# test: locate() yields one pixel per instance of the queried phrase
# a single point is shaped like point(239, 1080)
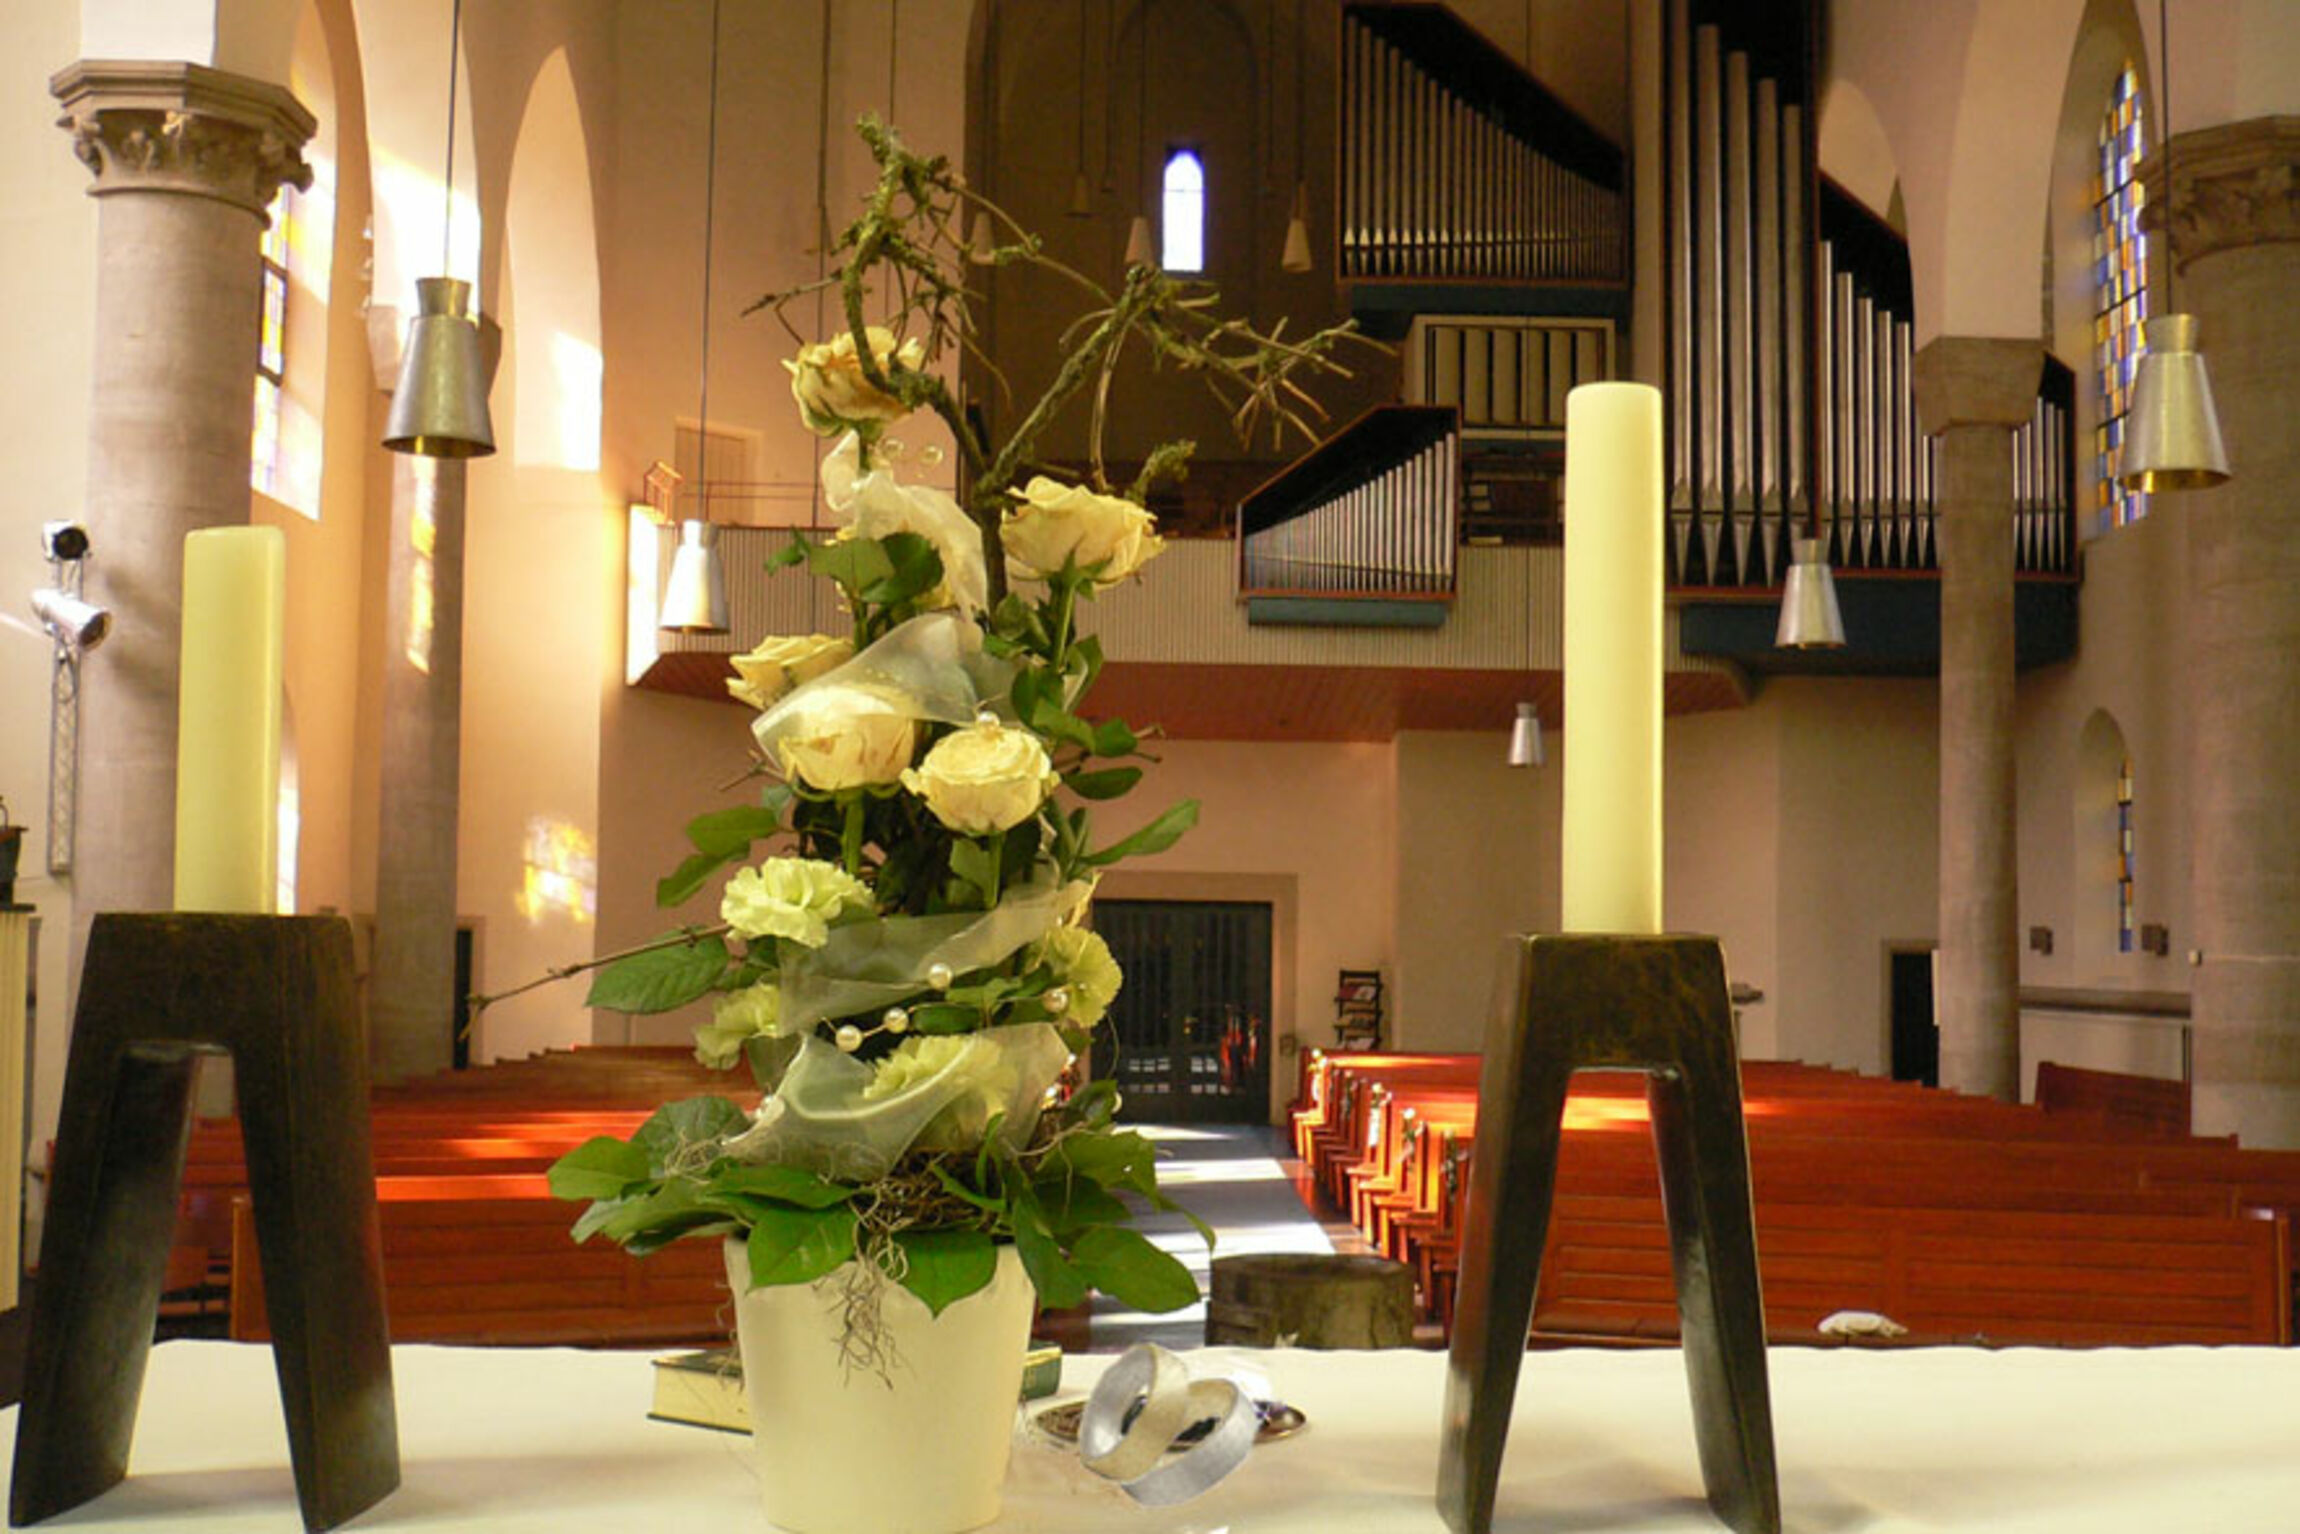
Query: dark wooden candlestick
point(274, 992)
point(1658, 1005)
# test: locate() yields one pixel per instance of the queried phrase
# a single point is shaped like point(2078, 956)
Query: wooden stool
point(1310, 1300)
point(275, 992)
point(1655, 1004)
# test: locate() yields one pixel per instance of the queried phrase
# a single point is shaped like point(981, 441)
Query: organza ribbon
point(820, 1119)
point(868, 966)
point(1130, 1443)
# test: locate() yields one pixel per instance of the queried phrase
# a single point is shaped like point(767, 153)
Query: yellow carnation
point(797, 898)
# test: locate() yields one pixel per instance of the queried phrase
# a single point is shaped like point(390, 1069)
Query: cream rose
point(827, 381)
point(1083, 966)
point(782, 662)
point(983, 779)
point(755, 1012)
point(797, 898)
point(1058, 524)
point(831, 747)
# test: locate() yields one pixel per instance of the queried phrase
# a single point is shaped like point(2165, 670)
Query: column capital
point(1976, 381)
point(2232, 185)
point(160, 126)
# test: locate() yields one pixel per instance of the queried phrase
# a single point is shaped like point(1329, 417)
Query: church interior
point(1888, 265)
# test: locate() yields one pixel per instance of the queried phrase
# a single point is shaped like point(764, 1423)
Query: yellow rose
point(1083, 966)
point(784, 661)
point(984, 778)
point(827, 381)
point(797, 898)
point(1058, 524)
point(834, 745)
point(755, 1012)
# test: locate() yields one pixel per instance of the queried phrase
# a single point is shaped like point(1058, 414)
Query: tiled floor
point(1242, 1180)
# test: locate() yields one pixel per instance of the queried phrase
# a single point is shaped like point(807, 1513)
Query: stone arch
point(551, 255)
point(1855, 150)
point(1970, 233)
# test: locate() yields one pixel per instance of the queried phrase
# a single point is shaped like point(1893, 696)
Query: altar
point(2020, 1441)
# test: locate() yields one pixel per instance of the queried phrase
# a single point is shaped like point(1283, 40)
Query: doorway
point(1188, 1038)
point(1916, 1041)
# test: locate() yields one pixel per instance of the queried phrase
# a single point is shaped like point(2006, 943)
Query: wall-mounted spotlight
point(71, 621)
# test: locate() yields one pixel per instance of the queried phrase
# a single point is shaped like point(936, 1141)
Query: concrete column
point(186, 159)
point(2234, 208)
point(1971, 393)
point(411, 986)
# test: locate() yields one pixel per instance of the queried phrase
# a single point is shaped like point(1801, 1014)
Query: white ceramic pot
point(843, 1452)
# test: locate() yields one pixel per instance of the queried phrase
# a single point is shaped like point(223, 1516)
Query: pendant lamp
point(1295, 256)
point(695, 600)
point(1810, 618)
point(2171, 430)
point(439, 409)
point(1525, 744)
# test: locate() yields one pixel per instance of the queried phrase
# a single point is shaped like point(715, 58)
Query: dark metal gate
point(1189, 1035)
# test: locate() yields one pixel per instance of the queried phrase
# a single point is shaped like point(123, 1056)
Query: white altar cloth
point(2024, 1441)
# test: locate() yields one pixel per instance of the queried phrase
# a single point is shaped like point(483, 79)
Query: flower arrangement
point(907, 970)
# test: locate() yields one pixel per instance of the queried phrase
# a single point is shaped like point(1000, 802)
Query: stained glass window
point(1182, 220)
point(2124, 922)
point(2120, 279)
point(264, 450)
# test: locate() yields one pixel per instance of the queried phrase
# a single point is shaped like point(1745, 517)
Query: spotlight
point(64, 541)
point(82, 625)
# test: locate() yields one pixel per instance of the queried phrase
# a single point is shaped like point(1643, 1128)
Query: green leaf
point(959, 1190)
point(694, 871)
point(784, 1184)
point(792, 553)
point(1073, 1206)
point(797, 1246)
point(1086, 661)
point(944, 1017)
point(675, 1128)
point(733, 830)
point(601, 1167)
point(1124, 1265)
point(1113, 737)
point(1059, 724)
point(946, 1265)
point(1106, 784)
point(1157, 836)
point(674, 1203)
point(977, 865)
point(914, 568)
point(701, 1222)
point(660, 979)
point(1058, 1282)
point(855, 563)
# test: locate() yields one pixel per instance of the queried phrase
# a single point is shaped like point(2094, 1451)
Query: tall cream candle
point(228, 719)
point(1613, 527)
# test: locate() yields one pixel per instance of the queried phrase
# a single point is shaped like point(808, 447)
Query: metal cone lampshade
point(1138, 251)
point(1810, 618)
point(2172, 433)
point(1296, 256)
point(695, 598)
point(440, 407)
point(1525, 746)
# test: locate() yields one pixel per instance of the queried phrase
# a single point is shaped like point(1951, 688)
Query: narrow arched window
point(2120, 285)
point(266, 448)
point(2124, 922)
point(1182, 213)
